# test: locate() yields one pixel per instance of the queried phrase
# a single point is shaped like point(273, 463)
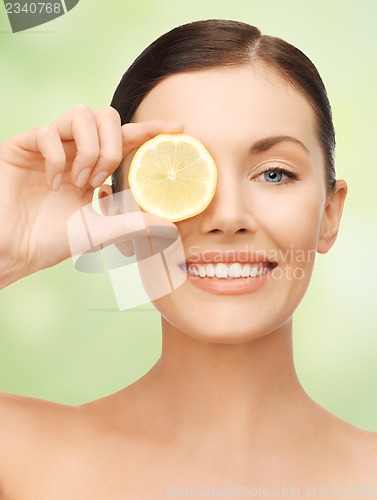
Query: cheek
point(291, 220)
point(294, 228)
point(290, 223)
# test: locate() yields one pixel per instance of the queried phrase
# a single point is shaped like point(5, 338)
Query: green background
point(61, 335)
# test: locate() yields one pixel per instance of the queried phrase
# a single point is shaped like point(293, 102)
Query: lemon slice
point(173, 176)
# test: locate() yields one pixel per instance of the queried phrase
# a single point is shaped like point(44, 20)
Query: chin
point(225, 326)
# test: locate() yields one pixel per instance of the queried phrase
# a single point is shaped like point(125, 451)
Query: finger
point(89, 231)
point(50, 146)
point(26, 149)
point(135, 134)
point(110, 145)
point(79, 124)
point(104, 230)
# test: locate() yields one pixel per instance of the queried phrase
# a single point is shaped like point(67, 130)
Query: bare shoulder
point(30, 429)
point(26, 420)
point(49, 450)
point(360, 449)
point(21, 414)
point(365, 443)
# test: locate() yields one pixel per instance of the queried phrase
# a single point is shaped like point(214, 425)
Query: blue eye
point(277, 176)
point(273, 176)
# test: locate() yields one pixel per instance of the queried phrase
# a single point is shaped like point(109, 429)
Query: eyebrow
point(267, 143)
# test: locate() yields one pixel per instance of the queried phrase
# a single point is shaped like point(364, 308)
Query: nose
point(229, 212)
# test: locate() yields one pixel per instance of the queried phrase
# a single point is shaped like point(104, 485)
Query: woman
point(222, 407)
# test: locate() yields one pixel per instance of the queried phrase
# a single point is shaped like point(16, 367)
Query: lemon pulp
point(173, 176)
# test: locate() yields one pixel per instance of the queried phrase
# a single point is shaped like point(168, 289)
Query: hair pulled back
point(222, 43)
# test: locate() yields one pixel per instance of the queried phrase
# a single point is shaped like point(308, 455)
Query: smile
point(228, 271)
point(235, 274)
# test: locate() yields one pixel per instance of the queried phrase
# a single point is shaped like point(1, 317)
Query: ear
point(109, 206)
point(331, 217)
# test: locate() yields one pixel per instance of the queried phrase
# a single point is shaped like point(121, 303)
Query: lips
point(228, 273)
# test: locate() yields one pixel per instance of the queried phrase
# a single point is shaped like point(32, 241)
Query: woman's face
point(269, 205)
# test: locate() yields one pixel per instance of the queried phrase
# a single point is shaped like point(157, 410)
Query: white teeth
point(246, 270)
point(235, 270)
point(264, 270)
point(210, 270)
point(254, 272)
point(222, 270)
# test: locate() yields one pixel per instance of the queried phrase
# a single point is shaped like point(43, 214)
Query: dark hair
point(222, 43)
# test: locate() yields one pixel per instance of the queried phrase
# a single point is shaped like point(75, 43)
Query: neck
point(202, 390)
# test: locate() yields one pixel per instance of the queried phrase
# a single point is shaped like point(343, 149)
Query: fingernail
point(83, 177)
point(56, 182)
point(99, 179)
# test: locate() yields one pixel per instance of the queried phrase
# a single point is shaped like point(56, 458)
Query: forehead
point(230, 105)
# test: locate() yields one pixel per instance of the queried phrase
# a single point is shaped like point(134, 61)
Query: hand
point(48, 173)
